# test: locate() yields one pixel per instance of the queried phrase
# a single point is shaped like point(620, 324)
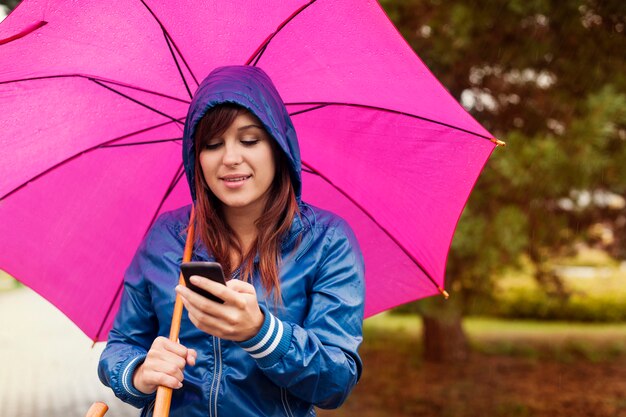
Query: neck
point(242, 220)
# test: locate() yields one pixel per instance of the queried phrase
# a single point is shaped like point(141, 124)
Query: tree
point(549, 78)
point(10, 4)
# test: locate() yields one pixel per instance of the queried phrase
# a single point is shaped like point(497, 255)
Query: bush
point(532, 304)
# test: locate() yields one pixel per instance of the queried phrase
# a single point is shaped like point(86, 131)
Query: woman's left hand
point(238, 319)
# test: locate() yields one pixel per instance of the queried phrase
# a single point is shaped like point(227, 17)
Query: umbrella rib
point(26, 31)
point(260, 53)
point(179, 174)
point(307, 110)
point(175, 46)
point(365, 106)
point(135, 100)
point(313, 171)
point(91, 78)
point(106, 316)
point(170, 188)
point(147, 142)
point(143, 90)
point(261, 49)
point(180, 71)
point(63, 162)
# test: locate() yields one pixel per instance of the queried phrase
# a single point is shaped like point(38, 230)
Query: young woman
point(287, 335)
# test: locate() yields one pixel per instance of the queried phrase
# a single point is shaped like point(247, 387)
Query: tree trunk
point(444, 339)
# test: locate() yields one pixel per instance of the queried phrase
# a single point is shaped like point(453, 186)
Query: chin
point(236, 203)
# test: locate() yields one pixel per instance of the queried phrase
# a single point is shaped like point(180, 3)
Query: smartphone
point(210, 270)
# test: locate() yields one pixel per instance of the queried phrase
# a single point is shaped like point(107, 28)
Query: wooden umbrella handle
point(164, 394)
point(97, 410)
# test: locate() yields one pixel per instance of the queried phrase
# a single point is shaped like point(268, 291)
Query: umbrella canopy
point(94, 95)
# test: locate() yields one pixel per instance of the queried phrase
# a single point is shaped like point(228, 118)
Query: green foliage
point(554, 74)
point(533, 304)
point(596, 288)
point(11, 4)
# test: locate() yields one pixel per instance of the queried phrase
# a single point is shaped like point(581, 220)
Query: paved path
point(47, 365)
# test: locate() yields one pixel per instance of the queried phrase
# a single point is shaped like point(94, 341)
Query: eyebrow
point(248, 127)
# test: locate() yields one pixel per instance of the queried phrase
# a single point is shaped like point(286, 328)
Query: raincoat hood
point(249, 87)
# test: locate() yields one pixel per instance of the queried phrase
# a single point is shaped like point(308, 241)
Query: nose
point(232, 155)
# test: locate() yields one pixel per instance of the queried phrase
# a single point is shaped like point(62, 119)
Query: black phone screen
point(210, 270)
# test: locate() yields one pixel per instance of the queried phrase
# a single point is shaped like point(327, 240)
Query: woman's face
point(238, 166)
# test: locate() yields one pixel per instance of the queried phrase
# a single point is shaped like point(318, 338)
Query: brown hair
point(273, 225)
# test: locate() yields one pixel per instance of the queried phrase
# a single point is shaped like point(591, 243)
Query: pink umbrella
point(93, 98)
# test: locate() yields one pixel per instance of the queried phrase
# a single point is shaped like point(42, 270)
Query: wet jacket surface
point(306, 353)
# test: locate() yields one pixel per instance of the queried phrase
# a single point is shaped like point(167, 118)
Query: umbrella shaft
point(164, 394)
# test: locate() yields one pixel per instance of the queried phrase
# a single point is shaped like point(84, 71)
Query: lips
point(235, 178)
point(235, 181)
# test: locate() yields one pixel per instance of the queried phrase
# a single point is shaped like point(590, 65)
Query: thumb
point(241, 286)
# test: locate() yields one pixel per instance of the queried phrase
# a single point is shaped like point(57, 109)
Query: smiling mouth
point(237, 179)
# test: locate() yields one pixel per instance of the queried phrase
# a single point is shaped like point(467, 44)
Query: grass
point(562, 341)
point(485, 326)
point(517, 368)
point(489, 326)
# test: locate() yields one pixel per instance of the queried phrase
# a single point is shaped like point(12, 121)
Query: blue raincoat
point(306, 352)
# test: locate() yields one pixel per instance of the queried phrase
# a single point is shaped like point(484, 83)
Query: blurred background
point(536, 321)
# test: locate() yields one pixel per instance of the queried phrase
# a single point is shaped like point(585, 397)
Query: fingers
point(163, 366)
point(155, 378)
point(167, 357)
point(171, 346)
point(202, 305)
point(210, 324)
point(204, 312)
point(224, 292)
point(192, 356)
point(241, 286)
point(239, 318)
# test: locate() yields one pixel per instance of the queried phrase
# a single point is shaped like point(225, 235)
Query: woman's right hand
point(163, 366)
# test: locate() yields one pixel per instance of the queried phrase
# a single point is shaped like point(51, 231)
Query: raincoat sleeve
point(318, 361)
point(134, 329)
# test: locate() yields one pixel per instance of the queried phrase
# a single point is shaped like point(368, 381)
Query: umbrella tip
point(498, 142)
point(443, 292)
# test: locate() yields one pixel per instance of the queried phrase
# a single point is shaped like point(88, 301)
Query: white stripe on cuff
point(274, 344)
point(267, 336)
point(125, 377)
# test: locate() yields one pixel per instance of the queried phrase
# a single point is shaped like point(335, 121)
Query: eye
point(249, 142)
point(212, 145)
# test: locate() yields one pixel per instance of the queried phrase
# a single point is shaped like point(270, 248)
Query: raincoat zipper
point(147, 411)
point(217, 375)
point(285, 400)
